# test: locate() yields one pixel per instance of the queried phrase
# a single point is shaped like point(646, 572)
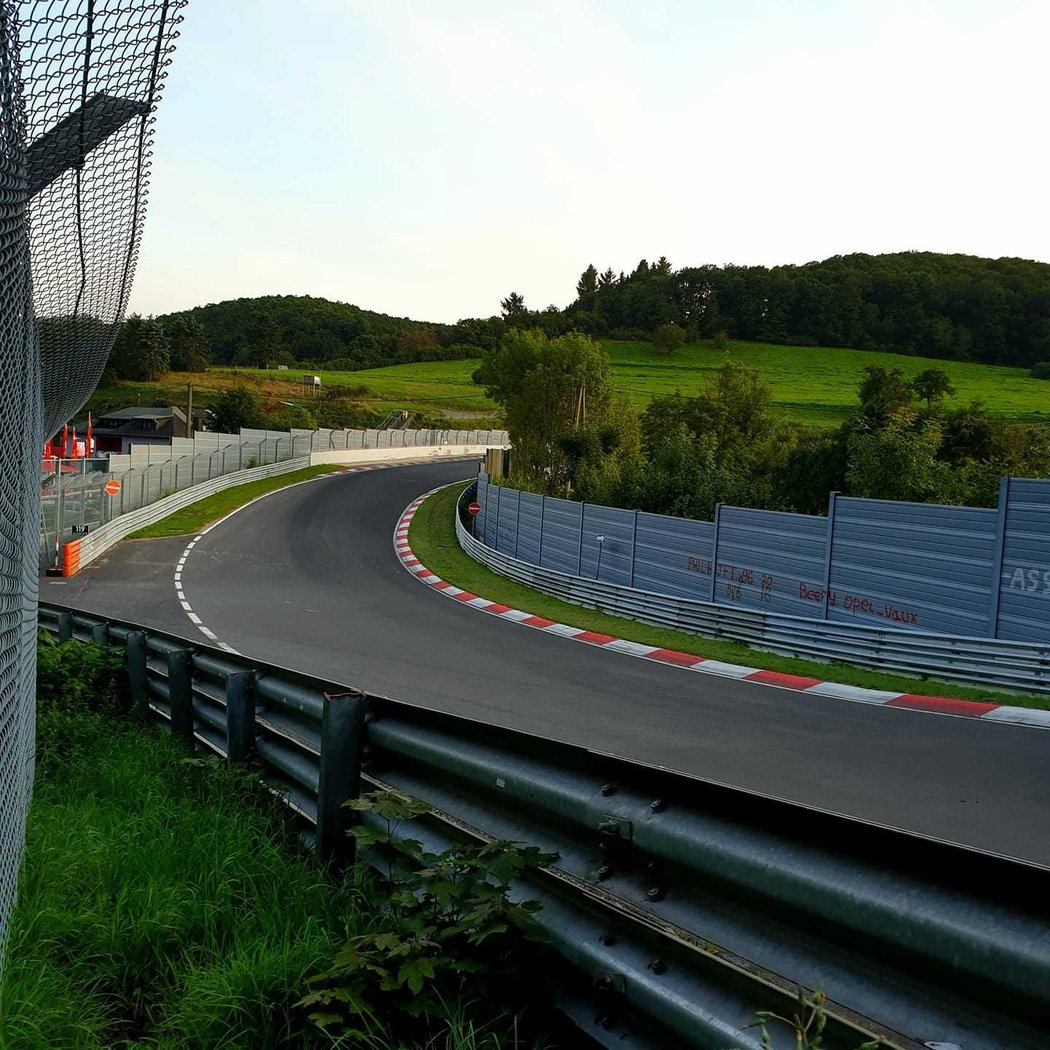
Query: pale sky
point(426, 158)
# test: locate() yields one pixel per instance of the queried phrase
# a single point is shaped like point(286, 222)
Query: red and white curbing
point(941, 705)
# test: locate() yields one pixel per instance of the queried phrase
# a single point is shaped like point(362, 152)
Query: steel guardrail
point(679, 907)
point(985, 661)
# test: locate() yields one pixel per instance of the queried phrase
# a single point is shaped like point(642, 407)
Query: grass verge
point(197, 515)
point(433, 538)
point(161, 902)
point(164, 899)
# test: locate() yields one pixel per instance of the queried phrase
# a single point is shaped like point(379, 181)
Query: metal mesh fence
point(19, 429)
point(93, 71)
point(78, 83)
point(74, 499)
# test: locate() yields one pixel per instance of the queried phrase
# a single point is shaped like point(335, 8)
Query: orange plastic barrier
point(71, 558)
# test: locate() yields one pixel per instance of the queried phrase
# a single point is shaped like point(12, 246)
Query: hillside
point(284, 329)
point(996, 311)
point(816, 386)
point(923, 304)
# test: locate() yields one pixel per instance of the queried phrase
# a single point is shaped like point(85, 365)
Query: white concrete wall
point(358, 456)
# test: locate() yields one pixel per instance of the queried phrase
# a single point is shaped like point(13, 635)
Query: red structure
point(66, 445)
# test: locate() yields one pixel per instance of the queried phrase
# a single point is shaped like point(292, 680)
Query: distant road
point(307, 578)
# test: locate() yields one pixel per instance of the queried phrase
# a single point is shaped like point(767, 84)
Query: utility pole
point(189, 410)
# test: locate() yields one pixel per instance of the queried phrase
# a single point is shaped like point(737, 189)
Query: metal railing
point(1020, 666)
point(81, 552)
point(677, 907)
point(74, 500)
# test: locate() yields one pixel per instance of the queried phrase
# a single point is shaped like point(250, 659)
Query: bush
point(668, 338)
point(450, 934)
point(235, 409)
point(1040, 370)
point(76, 683)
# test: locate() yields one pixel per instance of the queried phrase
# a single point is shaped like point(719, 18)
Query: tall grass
point(160, 900)
point(164, 900)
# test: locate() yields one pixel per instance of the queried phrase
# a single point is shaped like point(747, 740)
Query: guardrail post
point(180, 694)
point(240, 715)
point(138, 688)
point(342, 740)
point(100, 633)
point(64, 625)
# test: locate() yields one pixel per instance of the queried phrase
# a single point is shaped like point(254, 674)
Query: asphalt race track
point(307, 578)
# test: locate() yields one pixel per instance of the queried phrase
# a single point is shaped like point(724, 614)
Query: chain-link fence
point(79, 81)
point(75, 500)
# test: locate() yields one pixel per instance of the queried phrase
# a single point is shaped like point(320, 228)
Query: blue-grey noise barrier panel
point(771, 560)
point(913, 565)
point(673, 555)
point(969, 571)
point(1024, 601)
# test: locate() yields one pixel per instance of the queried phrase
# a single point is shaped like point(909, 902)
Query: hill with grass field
point(286, 329)
point(815, 386)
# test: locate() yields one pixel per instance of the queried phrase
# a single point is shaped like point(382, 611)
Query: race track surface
point(307, 578)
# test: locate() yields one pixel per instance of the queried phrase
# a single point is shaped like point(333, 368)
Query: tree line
point(572, 437)
point(307, 331)
point(995, 311)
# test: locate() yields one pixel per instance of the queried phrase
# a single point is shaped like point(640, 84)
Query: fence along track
point(1016, 665)
point(74, 496)
point(678, 907)
point(964, 572)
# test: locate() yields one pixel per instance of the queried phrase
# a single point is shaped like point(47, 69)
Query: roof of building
point(148, 412)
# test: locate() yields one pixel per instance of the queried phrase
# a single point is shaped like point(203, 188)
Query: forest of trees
point(996, 311)
point(683, 455)
point(291, 329)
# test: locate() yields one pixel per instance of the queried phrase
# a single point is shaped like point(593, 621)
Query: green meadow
point(815, 385)
point(818, 385)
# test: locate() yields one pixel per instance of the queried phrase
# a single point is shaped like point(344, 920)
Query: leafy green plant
point(450, 933)
point(808, 1024)
point(77, 683)
point(73, 676)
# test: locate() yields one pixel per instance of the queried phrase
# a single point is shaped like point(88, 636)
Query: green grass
point(433, 538)
point(165, 900)
point(162, 903)
point(428, 387)
point(197, 515)
point(816, 386)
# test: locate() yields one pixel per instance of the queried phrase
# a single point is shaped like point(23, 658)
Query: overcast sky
point(427, 158)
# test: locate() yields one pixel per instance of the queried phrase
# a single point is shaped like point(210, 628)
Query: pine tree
point(140, 351)
point(587, 285)
point(513, 306)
